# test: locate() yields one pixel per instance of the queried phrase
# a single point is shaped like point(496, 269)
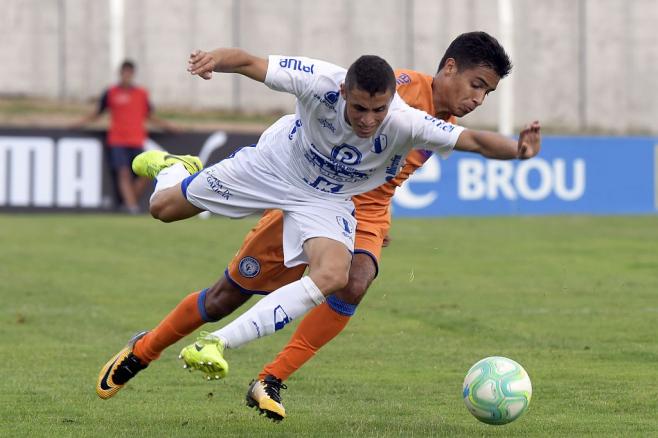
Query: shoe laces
point(127, 369)
point(272, 386)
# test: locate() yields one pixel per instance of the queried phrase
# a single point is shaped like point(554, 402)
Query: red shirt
point(129, 108)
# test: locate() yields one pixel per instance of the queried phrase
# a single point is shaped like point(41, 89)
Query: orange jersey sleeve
point(416, 90)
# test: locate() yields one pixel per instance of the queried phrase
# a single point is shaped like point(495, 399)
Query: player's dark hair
point(372, 74)
point(128, 64)
point(478, 49)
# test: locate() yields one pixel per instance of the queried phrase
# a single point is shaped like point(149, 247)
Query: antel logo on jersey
point(448, 127)
point(249, 267)
point(296, 64)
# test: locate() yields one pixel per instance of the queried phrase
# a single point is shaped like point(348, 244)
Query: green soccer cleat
point(206, 355)
point(264, 396)
point(119, 369)
point(150, 163)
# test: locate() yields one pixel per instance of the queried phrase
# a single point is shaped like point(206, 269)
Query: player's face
point(364, 112)
point(126, 76)
point(466, 89)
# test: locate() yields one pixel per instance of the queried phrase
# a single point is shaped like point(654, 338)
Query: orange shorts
point(258, 266)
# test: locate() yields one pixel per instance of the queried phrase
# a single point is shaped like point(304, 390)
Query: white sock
point(169, 177)
point(272, 313)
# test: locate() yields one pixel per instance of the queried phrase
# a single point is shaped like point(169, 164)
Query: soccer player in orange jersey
point(470, 69)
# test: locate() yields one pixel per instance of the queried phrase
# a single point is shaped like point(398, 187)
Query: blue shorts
point(123, 156)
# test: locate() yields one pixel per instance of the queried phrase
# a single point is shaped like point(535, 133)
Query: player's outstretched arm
point(494, 145)
point(225, 60)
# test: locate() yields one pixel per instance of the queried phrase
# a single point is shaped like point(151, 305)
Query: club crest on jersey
point(380, 144)
point(249, 267)
point(403, 79)
point(345, 225)
point(281, 318)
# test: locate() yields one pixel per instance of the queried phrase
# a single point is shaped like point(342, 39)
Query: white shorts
point(239, 186)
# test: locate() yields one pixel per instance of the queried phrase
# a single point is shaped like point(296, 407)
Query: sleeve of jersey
point(292, 74)
point(434, 134)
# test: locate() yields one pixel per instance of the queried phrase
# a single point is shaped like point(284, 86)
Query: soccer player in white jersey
point(349, 134)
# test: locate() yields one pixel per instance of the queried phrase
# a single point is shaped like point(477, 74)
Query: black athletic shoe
point(264, 395)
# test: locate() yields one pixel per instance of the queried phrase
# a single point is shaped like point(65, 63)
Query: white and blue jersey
point(317, 149)
point(309, 164)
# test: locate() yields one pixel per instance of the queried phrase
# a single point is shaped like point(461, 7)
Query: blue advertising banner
point(571, 175)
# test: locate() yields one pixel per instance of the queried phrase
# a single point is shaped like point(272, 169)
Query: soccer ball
point(497, 390)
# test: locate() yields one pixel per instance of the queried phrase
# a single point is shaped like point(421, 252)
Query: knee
point(158, 209)
point(222, 299)
point(354, 291)
point(330, 280)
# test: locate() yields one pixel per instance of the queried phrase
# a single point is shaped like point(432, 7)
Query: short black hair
point(372, 74)
point(478, 49)
point(127, 64)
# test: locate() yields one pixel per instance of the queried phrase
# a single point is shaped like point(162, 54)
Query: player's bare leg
point(169, 205)
point(328, 263)
point(319, 327)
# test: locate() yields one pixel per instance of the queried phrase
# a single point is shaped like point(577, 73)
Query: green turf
point(573, 299)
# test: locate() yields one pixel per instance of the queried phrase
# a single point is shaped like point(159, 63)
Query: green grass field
point(573, 299)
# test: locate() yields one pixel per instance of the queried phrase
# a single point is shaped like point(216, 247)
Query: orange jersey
point(258, 267)
point(416, 90)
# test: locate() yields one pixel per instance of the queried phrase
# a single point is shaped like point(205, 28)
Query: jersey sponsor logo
point(329, 100)
point(333, 170)
point(380, 144)
point(331, 96)
point(281, 318)
point(249, 267)
point(324, 185)
point(403, 79)
point(327, 124)
point(296, 64)
point(217, 185)
point(392, 169)
point(346, 154)
point(448, 127)
point(298, 124)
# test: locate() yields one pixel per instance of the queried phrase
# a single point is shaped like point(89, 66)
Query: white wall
point(571, 70)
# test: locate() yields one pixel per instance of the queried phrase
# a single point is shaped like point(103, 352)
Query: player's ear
point(450, 66)
point(342, 89)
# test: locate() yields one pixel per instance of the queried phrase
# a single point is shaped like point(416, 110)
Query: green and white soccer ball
point(497, 390)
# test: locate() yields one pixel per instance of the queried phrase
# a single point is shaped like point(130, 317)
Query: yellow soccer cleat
point(206, 355)
point(118, 370)
point(264, 396)
point(150, 163)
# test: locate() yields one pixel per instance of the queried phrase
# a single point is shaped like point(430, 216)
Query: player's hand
point(529, 141)
point(201, 64)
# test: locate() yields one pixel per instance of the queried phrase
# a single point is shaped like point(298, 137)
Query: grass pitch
point(573, 299)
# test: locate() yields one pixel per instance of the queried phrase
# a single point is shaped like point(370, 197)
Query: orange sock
point(320, 326)
point(183, 320)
